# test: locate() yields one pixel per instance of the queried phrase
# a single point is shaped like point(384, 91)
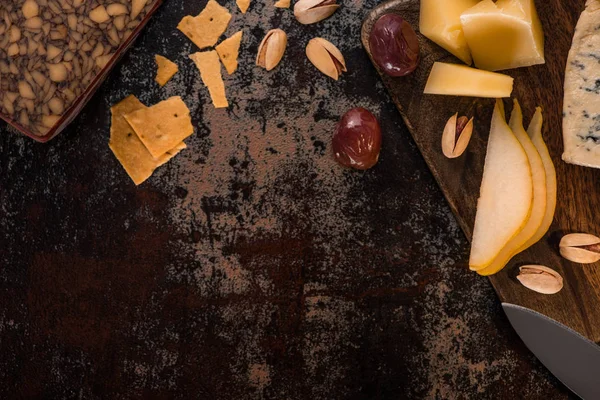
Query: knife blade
point(571, 357)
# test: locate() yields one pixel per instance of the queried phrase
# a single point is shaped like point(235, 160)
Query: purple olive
point(394, 45)
point(357, 139)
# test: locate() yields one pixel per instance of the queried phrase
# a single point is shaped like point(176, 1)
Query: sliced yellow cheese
point(460, 80)
point(439, 21)
point(504, 35)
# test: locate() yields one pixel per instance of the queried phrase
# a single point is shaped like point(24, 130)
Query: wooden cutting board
point(578, 208)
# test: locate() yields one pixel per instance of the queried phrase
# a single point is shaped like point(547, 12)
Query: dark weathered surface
point(251, 266)
point(578, 304)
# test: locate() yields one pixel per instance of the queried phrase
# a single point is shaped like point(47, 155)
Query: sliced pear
point(538, 210)
point(535, 133)
point(506, 194)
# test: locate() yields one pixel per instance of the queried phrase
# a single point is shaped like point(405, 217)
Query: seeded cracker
point(166, 69)
point(228, 51)
point(162, 126)
point(243, 5)
point(206, 28)
point(210, 70)
point(127, 147)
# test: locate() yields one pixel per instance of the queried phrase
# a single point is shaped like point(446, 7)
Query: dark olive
point(394, 45)
point(357, 139)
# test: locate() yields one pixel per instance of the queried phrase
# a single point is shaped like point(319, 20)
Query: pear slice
point(538, 210)
point(506, 194)
point(535, 133)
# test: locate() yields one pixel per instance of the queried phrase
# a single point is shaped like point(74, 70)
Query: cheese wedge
point(506, 194)
point(538, 210)
point(503, 35)
point(460, 80)
point(581, 106)
point(439, 21)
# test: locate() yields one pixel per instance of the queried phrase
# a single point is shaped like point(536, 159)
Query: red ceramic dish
point(87, 94)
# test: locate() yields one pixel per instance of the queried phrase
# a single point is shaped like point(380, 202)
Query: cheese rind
point(439, 21)
point(504, 35)
point(581, 106)
point(460, 80)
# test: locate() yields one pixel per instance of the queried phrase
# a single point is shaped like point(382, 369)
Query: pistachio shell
point(581, 248)
point(312, 11)
point(579, 239)
point(540, 279)
point(451, 147)
point(271, 49)
point(579, 255)
point(326, 57)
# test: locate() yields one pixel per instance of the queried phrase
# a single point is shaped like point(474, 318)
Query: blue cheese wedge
point(581, 112)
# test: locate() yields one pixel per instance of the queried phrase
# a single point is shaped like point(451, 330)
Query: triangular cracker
point(228, 51)
point(165, 69)
point(210, 70)
point(162, 126)
point(243, 5)
point(206, 28)
point(283, 4)
point(128, 148)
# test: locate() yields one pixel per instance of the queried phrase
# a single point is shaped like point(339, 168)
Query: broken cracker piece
point(206, 28)
point(243, 5)
point(129, 149)
point(166, 69)
point(210, 70)
point(283, 4)
point(228, 51)
point(162, 126)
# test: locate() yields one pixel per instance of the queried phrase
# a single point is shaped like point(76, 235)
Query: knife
point(572, 358)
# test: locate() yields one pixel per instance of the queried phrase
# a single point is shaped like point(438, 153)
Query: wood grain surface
point(578, 304)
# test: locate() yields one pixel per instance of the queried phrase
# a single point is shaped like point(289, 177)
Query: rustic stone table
point(251, 266)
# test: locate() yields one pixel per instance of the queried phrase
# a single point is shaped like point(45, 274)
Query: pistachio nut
point(311, 11)
point(581, 248)
point(540, 279)
point(456, 136)
point(326, 57)
point(271, 49)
